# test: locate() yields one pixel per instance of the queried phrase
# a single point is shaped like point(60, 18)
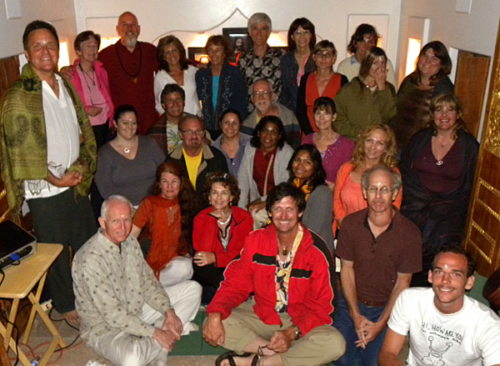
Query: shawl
point(440, 217)
point(24, 141)
point(163, 218)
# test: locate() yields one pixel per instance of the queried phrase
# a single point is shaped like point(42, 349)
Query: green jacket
point(23, 139)
point(357, 108)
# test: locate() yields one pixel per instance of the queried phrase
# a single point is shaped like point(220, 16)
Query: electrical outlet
point(47, 305)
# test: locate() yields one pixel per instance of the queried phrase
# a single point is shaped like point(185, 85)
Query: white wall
point(159, 17)
point(61, 13)
point(475, 32)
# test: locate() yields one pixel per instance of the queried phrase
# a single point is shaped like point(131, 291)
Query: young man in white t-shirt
point(445, 326)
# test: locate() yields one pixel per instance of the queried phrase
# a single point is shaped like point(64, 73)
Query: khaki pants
point(320, 346)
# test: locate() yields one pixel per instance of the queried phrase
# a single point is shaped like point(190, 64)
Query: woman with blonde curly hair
point(376, 145)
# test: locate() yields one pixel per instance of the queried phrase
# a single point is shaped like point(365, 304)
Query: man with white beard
point(131, 66)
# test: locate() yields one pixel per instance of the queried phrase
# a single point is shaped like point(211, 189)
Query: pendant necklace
point(86, 75)
point(126, 150)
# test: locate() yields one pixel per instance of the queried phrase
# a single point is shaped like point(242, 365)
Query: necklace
point(126, 150)
point(224, 222)
point(135, 76)
point(86, 75)
point(284, 251)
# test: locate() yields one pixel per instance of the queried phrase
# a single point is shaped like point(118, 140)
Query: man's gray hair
point(115, 197)
point(257, 18)
point(396, 178)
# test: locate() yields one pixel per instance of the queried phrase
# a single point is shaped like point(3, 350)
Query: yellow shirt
point(192, 165)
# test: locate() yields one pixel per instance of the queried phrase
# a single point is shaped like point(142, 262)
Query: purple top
point(440, 176)
point(334, 156)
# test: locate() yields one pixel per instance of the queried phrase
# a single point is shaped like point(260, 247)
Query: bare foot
point(72, 317)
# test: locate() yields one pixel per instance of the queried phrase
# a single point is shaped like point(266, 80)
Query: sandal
point(255, 360)
point(229, 356)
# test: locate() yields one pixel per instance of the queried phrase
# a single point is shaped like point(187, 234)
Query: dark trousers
point(65, 219)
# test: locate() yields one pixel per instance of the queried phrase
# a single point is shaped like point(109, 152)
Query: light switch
point(463, 6)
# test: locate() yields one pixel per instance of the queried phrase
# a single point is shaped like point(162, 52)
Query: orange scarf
point(165, 227)
point(304, 188)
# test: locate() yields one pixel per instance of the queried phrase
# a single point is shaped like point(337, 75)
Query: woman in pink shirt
point(90, 80)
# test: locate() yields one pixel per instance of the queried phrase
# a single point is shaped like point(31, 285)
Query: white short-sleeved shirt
point(468, 337)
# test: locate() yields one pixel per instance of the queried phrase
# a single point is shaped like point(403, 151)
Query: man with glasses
point(195, 155)
point(380, 249)
point(266, 104)
point(364, 38)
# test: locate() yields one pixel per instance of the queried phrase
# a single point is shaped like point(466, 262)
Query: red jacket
point(312, 282)
point(206, 234)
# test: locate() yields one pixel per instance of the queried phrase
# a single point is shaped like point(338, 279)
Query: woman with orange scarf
point(307, 174)
point(169, 216)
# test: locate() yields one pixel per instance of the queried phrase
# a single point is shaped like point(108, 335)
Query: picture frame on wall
point(239, 40)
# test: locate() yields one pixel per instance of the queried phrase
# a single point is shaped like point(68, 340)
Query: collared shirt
point(63, 139)
point(377, 261)
point(254, 68)
point(112, 283)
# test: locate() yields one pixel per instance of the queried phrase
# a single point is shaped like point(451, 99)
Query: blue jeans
point(343, 322)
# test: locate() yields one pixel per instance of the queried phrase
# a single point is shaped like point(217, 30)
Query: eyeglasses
point(262, 93)
point(301, 33)
point(382, 190)
point(190, 133)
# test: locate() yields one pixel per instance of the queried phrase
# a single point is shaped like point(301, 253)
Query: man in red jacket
point(292, 275)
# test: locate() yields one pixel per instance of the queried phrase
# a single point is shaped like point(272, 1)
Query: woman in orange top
point(323, 82)
point(169, 217)
point(376, 145)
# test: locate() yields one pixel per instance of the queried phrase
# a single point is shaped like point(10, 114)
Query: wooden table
point(18, 283)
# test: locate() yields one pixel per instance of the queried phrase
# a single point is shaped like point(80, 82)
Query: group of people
point(236, 187)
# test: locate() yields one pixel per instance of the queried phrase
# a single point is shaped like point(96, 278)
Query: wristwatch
point(298, 333)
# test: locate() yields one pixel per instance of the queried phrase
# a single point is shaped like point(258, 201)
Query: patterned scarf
point(24, 141)
point(304, 187)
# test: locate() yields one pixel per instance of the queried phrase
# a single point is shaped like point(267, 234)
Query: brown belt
point(373, 303)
